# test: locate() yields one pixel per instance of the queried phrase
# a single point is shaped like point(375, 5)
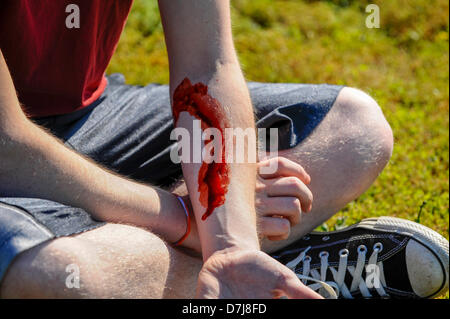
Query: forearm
point(232, 224)
point(35, 164)
point(200, 47)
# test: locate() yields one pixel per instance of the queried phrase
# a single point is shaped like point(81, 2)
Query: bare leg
point(343, 156)
point(115, 261)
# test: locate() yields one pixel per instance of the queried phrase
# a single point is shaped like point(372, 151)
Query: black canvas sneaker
point(382, 257)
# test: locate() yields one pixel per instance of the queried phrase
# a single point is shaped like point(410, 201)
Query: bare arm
point(201, 53)
point(31, 158)
point(200, 48)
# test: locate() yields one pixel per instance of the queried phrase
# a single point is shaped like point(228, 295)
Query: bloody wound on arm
point(213, 177)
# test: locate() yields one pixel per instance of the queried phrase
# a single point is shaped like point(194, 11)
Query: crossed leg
point(343, 156)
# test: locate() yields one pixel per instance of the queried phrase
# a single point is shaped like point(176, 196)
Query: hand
point(281, 197)
point(250, 275)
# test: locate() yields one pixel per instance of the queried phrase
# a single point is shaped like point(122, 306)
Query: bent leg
point(343, 155)
point(115, 261)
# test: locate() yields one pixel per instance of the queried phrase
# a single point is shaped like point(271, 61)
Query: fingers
point(282, 197)
point(286, 207)
point(291, 187)
point(274, 228)
point(285, 168)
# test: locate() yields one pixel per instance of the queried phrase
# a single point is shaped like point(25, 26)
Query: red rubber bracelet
point(188, 221)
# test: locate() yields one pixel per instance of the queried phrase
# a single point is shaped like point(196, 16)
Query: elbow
point(7, 142)
point(13, 127)
point(12, 137)
point(6, 157)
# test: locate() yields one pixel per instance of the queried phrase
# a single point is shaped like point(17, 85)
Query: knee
point(114, 261)
point(45, 271)
point(367, 127)
point(106, 263)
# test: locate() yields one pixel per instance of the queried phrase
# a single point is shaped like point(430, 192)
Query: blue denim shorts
point(128, 130)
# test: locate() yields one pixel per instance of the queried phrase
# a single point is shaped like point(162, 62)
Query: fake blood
point(213, 178)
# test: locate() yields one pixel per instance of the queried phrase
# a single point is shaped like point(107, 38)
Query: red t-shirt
point(57, 69)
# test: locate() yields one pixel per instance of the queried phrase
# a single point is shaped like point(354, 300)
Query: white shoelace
point(332, 289)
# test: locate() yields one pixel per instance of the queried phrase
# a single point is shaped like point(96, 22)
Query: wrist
point(188, 214)
point(228, 229)
point(173, 223)
point(233, 249)
point(228, 243)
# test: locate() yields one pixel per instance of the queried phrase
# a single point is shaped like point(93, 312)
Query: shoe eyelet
point(362, 249)
point(343, 252)
point(307, 258)
point(325, 238)
point(378, 246)
point(323, 254)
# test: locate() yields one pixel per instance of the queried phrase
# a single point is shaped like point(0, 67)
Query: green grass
point(403, 65)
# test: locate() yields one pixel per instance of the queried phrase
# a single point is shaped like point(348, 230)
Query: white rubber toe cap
point(427, 255)
point(425, 270)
